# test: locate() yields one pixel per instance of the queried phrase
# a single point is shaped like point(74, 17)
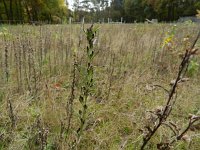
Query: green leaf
point(80, 112)
point(81, 99)
point(193, 68)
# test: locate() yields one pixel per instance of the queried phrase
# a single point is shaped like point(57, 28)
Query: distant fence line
point(70, 21)
point(40, 22)
point(101, 21)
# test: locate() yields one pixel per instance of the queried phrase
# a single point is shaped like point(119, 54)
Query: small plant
point(11, 113)
point(167, 51)
point(6, 63)
point(193, 67)
point(70, 101)
point(162, 113)
point(169, 37)
point(38, 135)
point(88, 78)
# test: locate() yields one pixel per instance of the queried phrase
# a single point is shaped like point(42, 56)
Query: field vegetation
point(69, 87)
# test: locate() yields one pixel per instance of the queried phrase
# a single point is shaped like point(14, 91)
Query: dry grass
point(130, 58)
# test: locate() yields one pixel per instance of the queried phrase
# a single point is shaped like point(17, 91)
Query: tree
point(134, 10)
point(11, 10)
point(33, 10)
point(116, 10)
point(6, 9)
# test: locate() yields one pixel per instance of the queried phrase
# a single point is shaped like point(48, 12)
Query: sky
point(70, 3)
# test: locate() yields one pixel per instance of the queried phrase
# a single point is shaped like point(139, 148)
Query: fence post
point(83, 20)
point(70, 20)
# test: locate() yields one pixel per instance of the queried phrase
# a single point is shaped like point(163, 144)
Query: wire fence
point(70, 21)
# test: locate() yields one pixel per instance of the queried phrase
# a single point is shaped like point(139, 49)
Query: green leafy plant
point(88, 77)
point(193, 67)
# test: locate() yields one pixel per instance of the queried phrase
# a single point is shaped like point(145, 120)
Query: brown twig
point(168, 107)
point(11, 113)
point(72, 96)
point(191, 122)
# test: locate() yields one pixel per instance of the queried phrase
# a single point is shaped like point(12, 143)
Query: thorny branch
point(170, 101)
point(192, 120)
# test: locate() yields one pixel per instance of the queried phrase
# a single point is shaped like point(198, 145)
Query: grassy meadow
point(131, 65)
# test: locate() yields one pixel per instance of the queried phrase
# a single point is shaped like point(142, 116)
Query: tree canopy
point(33, 10)
point(137, 10)
point(97, 10)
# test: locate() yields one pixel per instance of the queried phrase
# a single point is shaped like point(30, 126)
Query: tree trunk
point(1, 19)
point(6, 10)
point(34, 11)
point(11, 11)
point(17, 11)
point(20, 10)
point(28, 12)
